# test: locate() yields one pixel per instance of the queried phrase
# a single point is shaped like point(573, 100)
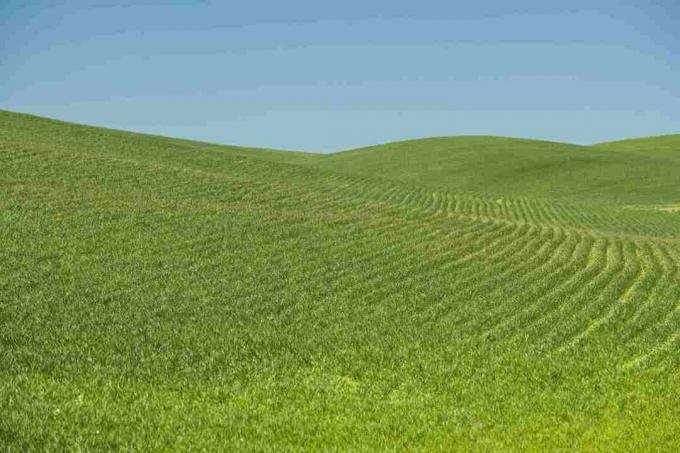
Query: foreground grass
point(162, 294)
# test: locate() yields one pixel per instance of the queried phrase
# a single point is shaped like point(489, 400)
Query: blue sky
point(324, 76)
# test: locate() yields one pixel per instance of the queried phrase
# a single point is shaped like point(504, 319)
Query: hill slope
point(165, 294)
point(628, 173)
point(667, 146)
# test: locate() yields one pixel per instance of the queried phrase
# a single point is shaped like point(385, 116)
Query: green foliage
point(455, 293)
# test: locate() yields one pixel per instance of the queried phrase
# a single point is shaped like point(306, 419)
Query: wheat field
point(462, 293)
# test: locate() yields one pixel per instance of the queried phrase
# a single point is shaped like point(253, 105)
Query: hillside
point(454, 293)
point(666, 146)
point(629, 172)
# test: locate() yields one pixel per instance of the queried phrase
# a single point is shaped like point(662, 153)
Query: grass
point(455, 293)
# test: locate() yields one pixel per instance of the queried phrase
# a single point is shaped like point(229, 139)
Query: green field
point(464, 293)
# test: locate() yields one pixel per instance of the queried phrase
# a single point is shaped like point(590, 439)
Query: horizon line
point(379, 144)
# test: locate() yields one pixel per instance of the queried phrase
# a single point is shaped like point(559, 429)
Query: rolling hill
point(469, 293)
point(637, 171)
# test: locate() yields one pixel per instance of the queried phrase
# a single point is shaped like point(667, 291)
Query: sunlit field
point(471, 293)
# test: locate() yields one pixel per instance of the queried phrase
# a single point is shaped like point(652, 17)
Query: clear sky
point(327, 75)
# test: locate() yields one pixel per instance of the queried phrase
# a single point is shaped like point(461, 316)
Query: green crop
point(468, 293)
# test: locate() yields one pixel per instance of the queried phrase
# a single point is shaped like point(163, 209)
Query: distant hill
point(663, 146)
point(631, 172)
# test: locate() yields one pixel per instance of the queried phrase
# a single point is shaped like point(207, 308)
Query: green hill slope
point(162, 294)
point(527, 168)
point(667, 146)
